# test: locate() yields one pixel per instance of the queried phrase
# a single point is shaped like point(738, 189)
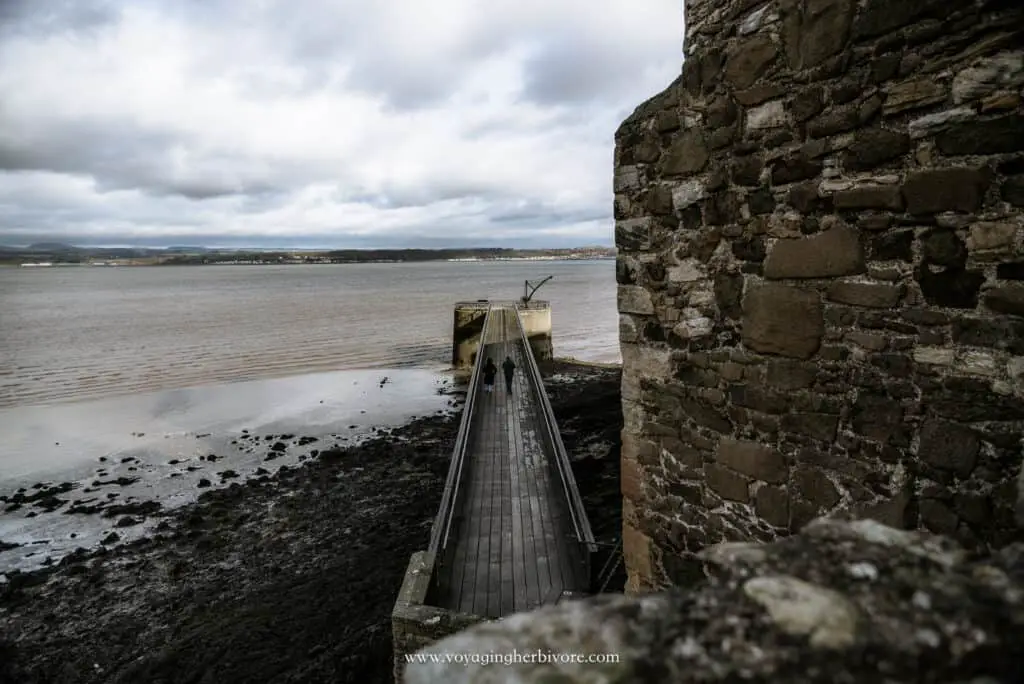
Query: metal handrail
point(580, 523)
point(441, 529)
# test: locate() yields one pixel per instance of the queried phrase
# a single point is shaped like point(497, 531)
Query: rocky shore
point(287, 577)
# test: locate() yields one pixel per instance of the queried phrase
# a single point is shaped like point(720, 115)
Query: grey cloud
point(44, 17)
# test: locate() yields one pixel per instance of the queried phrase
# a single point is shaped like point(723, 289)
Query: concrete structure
point(820, 229)
point(511, 534)
point(469, 320)
point(467, 324)
point(536, 319)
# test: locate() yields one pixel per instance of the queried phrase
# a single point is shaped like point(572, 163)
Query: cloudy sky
point(321, 123)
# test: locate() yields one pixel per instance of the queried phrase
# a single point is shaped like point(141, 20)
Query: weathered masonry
point(820, 261)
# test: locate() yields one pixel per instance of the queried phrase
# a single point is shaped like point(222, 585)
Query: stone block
point(814, 30)
point(633, 299)
point(687, 193)
point(1006, 299)
point(870, 197)
point(1001, 135)
point(748, 60)
point(873, 147)
point(782, 320)
point(950, 189)
point(873, 295)
point(929, 124)
point(772, 505)
point(752, 459)
point(820, 426)
point(768, 115)
point(914, 94)
point(633, 235)
point(687, 155)
point(1005, 69)
point(834, 252)
point(726, 483)
point(794, 168)
point(991, 236)
point(949, 446)
point(815, 487)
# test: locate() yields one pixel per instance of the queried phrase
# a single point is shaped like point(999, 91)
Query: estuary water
point(121, 384)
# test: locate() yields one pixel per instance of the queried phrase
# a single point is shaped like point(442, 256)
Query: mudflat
point(288, 577)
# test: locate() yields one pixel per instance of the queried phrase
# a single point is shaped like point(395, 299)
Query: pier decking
point(511, 534)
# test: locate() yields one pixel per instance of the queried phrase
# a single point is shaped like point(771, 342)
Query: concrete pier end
point(467, 324)
point(414, 624)
point(536, 318)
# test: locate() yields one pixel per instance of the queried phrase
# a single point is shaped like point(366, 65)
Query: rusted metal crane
point(529, 289)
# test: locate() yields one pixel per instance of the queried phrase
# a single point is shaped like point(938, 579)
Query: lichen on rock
point(840, 602)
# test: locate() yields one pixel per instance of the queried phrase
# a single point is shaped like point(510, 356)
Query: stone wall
point(839, 602)
point(820, 246)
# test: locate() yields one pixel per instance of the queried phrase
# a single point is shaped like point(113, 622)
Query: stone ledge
point(842, 601)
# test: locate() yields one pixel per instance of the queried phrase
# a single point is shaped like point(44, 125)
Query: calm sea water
point(84, 333)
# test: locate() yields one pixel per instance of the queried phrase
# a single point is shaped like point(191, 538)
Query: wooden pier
point(511, 534)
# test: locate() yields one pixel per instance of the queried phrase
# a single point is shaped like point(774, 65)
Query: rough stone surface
point(847, 234)
point(808, 608)
point(835, 252)
point(782, 320)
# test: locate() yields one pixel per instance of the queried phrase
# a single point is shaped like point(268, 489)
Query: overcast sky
point(348, 123)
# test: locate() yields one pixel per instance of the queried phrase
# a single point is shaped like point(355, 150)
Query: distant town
point(43, 255)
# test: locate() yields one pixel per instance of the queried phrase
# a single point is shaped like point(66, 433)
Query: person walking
point(509, 367)
point(490, 371)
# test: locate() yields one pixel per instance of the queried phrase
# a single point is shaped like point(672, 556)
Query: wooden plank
point(511, 537)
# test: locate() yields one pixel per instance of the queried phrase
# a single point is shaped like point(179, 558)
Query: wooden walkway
point(513, 545)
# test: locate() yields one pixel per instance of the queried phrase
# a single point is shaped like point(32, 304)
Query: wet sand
point(288, 577)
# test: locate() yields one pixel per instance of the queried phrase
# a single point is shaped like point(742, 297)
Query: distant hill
point(52, 247)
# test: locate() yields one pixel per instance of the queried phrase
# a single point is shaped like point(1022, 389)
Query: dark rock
point(111, 538)
point(870, 197)
point(814, 487)
point(753, 249)
point(203, 482)
point(794, 168)
point(726, 483)
point(772, 505)
point(748, 60)
point(834, 252)
point(949, 446)
point(729, 293)
point(820, 426)
point(952, 287)
point(782, 320)
point(761, 202)
point(687, 155)
point(814, 30)
point(1013, 191)
point(951, 189)
point(881, 16)
point(1005, 334)
point(747, 171)
point(994, 136)
point(721, 112)
point(873, 295)
point(834, 121)
point(808, 103)
point(279, 446)
point(894, 246)
point(937, 516)
point(1010, 271)
point(944, 248)
point(753, 460)
point(873, 147)
point(1007, 299)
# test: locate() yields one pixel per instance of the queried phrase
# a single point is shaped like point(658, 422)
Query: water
point(75, 333)
point(140, 373)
